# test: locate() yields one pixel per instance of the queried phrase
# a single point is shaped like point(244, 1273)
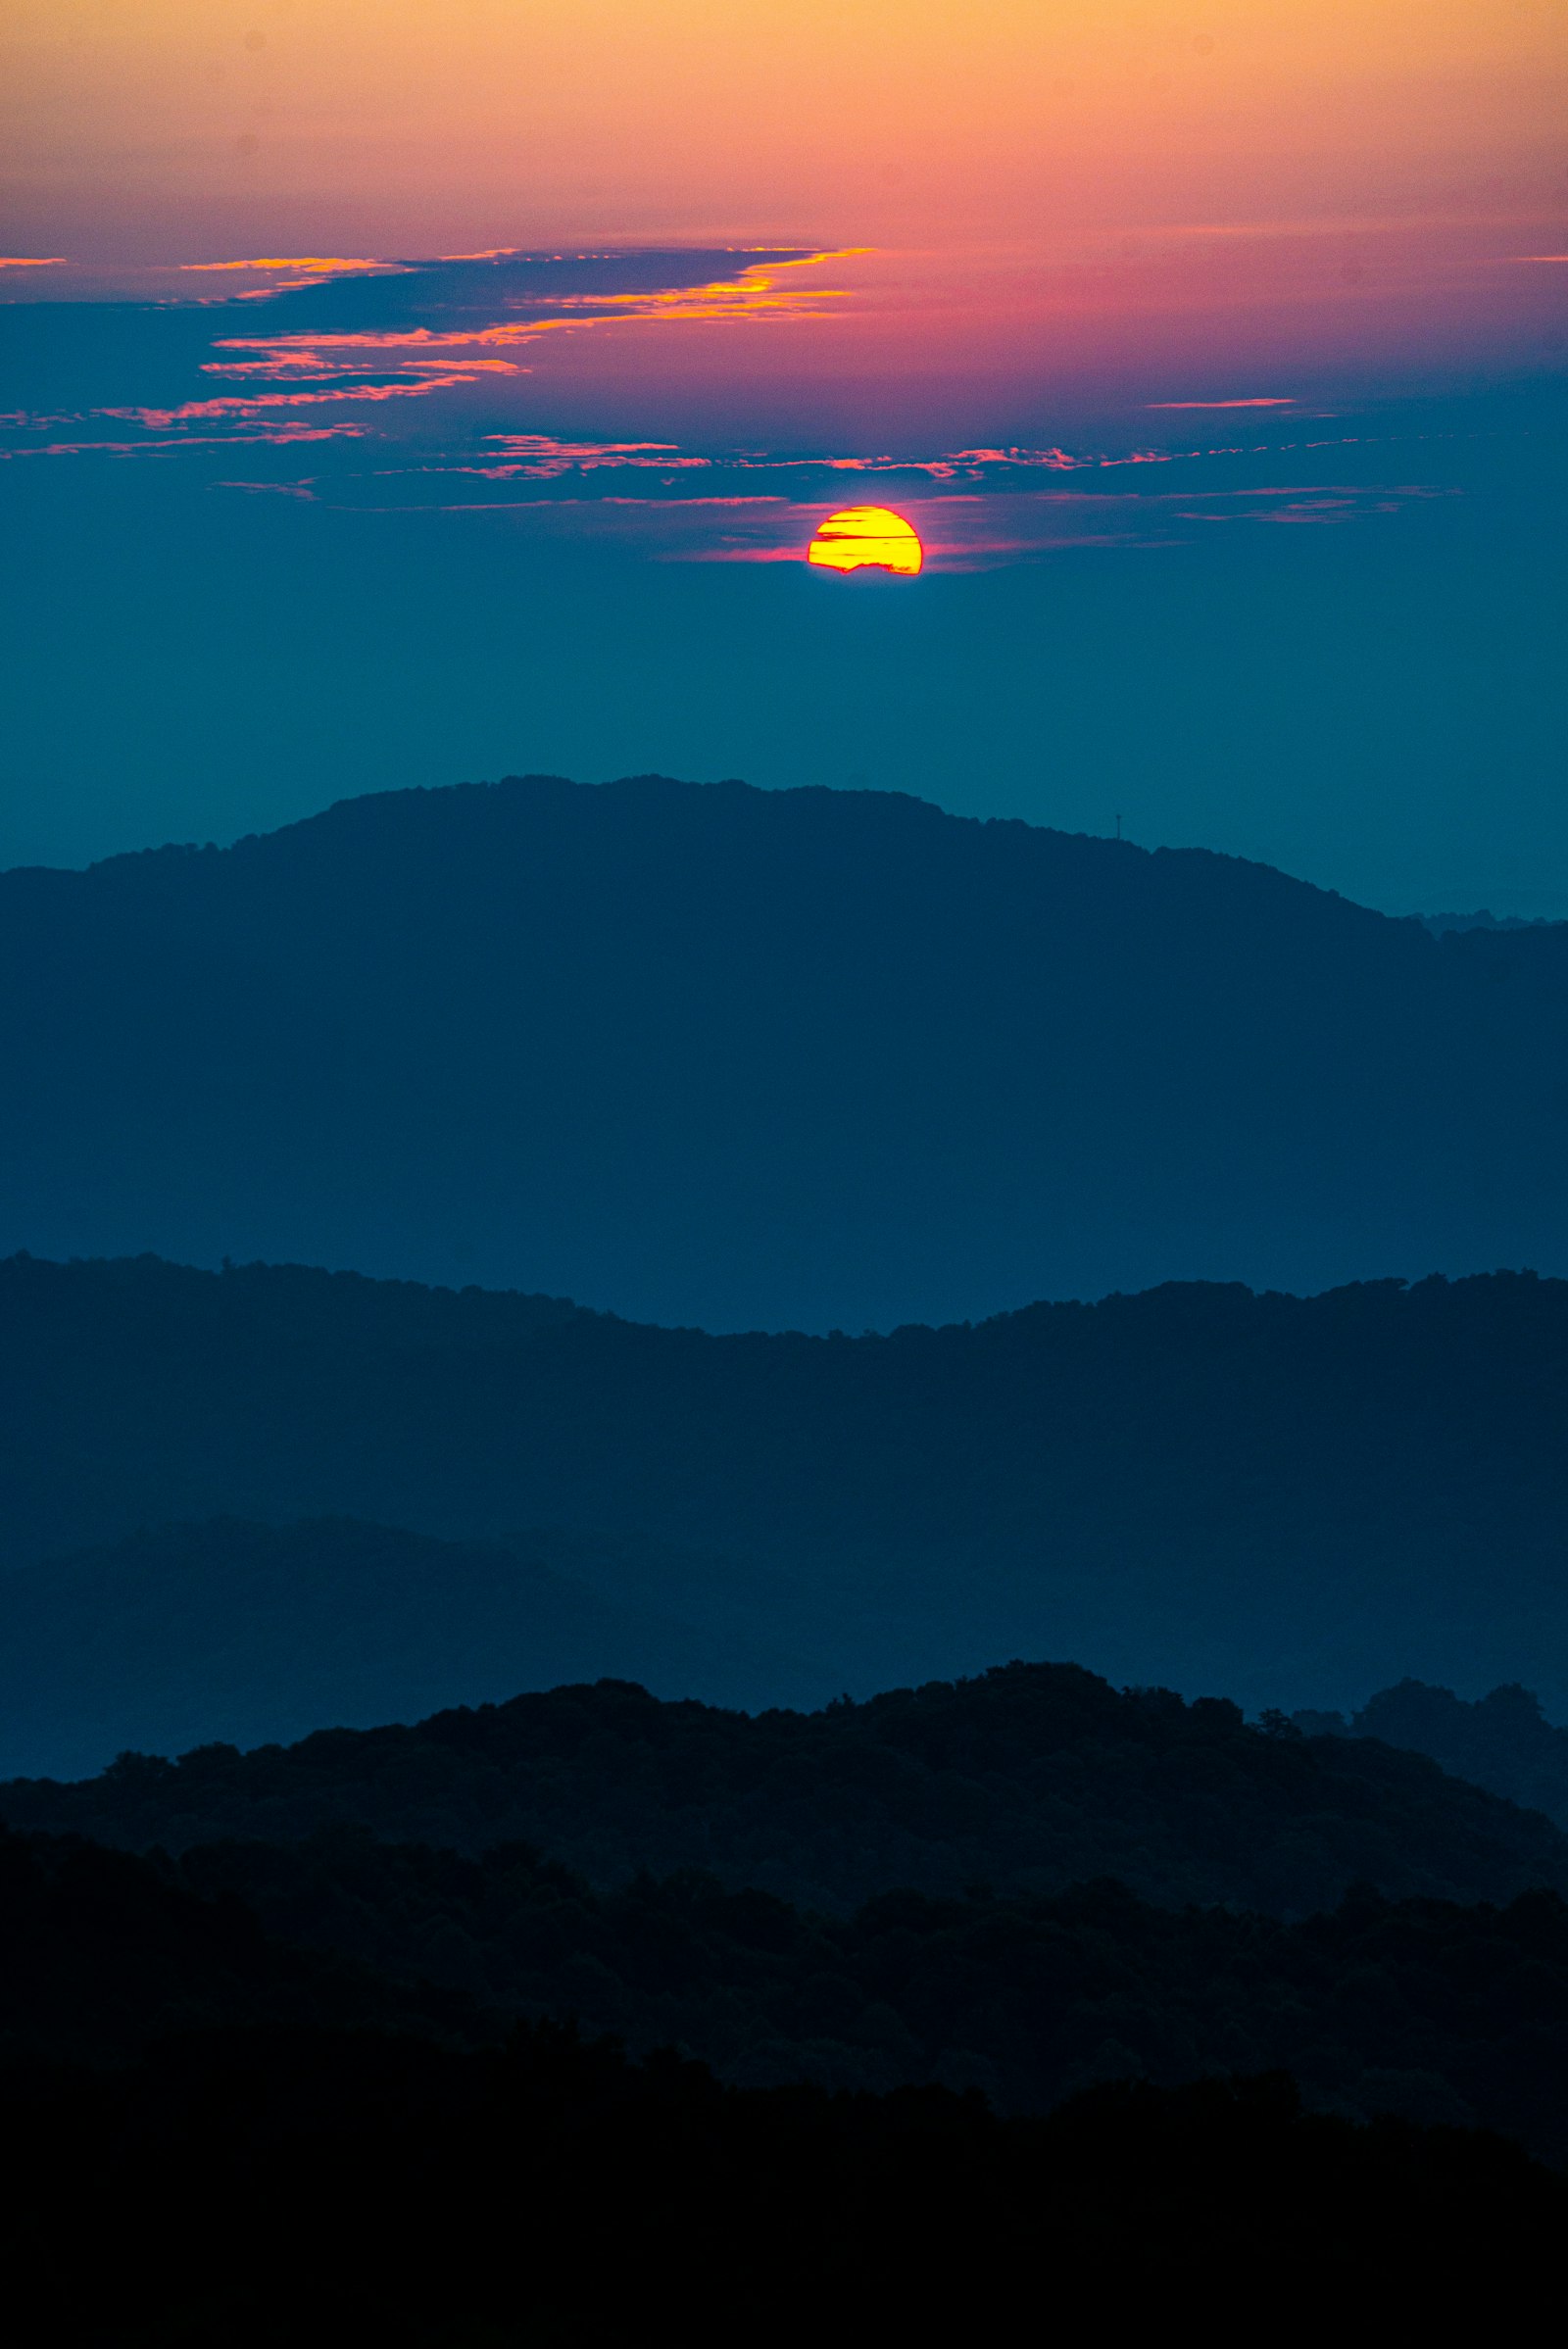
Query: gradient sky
point(1217, 352)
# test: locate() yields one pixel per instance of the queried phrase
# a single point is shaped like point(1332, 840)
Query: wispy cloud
point(1276, 400)
point(336, 357)
point(272, 489)
point(277, 436)
point(312, 264)
point(358, 336)
point(247, 406)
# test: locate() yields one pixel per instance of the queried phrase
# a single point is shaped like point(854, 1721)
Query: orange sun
point(867, 537)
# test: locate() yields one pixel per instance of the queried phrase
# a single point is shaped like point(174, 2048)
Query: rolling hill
point(808, 1058)
point(1291, 1500)
point(1030, 1779)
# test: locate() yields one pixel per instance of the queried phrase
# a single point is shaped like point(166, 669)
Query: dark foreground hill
point(1433, 2011)
point(1032, 1778)
point(322, 2157)
point(306, 2187)
point(102, 1954)
point(796, 1058)
point(1420, 2007)
point(1290, 1500)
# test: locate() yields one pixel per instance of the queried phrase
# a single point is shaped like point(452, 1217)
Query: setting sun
point(867, 537)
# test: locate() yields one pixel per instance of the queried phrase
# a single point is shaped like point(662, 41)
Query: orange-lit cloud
point(313, 263)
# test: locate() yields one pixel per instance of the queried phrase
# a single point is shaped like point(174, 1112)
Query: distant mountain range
point(813, 1058)
point(1293, 1500)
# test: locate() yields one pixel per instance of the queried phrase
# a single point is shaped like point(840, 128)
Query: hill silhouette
point(255, 1633)
point(1031, 1778)
point(711, 1054)
point(1420, 2007)
point(1502, 1740)
point(1293, 1500)
point(335, 2185)
point(102, 1955)
point(1440, 2013)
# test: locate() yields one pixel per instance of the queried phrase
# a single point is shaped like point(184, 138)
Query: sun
point(867, 538)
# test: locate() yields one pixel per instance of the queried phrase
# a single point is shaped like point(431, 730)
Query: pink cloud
point(253, 404)
point(1276, 401)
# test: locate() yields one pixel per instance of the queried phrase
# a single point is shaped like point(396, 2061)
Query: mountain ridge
point(1295, 1499)
point(714, 1055)
point(1030, 1778)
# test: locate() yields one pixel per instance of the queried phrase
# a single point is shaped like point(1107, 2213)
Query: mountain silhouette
point(1028, 1779)
point(1502, 1740)
point(741, 1058)
point(255, 1633)
point(1291, 1500)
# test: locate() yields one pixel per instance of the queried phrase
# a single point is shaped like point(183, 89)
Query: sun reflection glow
point(867, 538)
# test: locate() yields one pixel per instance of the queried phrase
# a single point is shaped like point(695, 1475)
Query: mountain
point(1031, 1778)
point(255, 1634)
point(1422, 2007)
point(1438, 2012)
point(1502, 1740)
point(1292, 1499)
point(708, 1054)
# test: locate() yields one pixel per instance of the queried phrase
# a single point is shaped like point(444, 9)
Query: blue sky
point(421, 523)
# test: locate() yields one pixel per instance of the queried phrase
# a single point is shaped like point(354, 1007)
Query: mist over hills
point(747, 1059)
point(255, 1633)
point(1292, 1501)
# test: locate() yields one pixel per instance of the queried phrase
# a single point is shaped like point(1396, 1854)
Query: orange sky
point(148, 130)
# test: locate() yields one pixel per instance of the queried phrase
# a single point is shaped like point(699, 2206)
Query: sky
point(401, 393)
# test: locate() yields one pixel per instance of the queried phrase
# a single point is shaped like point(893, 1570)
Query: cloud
point(435, 327)
point(278, 436)
point(335, 361)
point(247, 406)
point(473, 298)
point(272, 489)
point(315, 264)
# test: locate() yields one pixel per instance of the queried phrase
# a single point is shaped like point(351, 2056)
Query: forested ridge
point(331, 2036)
point(1425, 2008)
point(1502, 1740)
point(1030, 1778)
